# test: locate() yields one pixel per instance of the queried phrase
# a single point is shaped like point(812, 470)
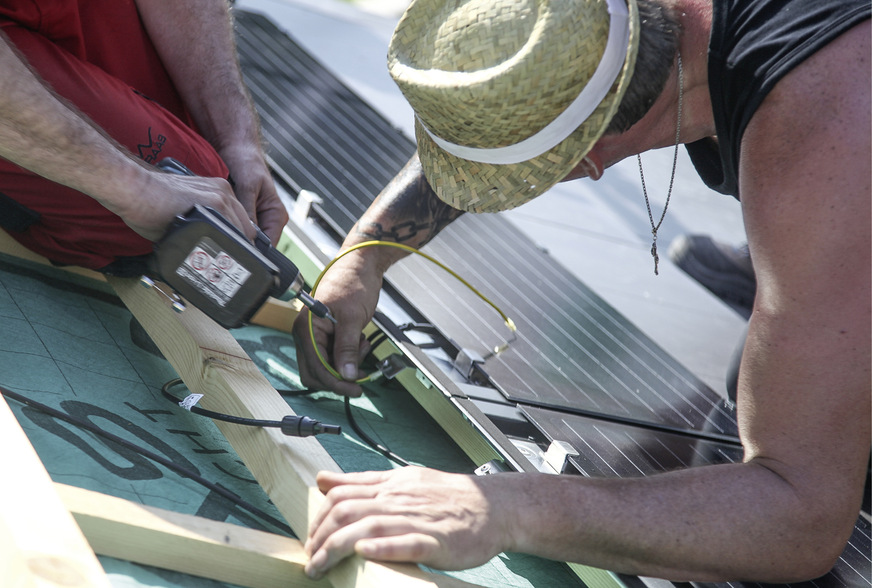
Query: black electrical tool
point(212, 264)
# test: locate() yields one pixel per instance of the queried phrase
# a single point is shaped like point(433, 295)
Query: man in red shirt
point(92, 95)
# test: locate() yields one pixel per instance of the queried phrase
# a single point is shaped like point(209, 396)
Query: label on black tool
point(213, 272)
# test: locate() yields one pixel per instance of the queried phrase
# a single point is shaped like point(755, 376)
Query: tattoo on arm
point(407, 211)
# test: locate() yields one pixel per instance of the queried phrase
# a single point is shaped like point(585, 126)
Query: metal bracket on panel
point(557, 455)
point(494, 466)
point(303, 205)
point(533, 454)
point(392, 365)
point(552, 461)
point(466, 361)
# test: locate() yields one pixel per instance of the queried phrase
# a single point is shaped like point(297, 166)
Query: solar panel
point(578, 370)
point(320, 135)
point(573, 350)
point(612, 450)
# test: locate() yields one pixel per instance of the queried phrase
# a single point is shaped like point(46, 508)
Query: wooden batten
point(40, 544)
point(211, 362)
point(186, 543)
point(278, 314)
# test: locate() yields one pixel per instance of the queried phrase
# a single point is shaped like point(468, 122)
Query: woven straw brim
point(481, 187)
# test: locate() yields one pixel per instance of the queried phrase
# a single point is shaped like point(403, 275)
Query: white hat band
point(576, 113)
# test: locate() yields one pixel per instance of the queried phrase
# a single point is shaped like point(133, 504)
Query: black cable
point(296, 393)
point(356, 428)
point(369, 440)
point(414, 326)
point(375, 338)
point(421, 328)
point(291, 425)
point(167, 463)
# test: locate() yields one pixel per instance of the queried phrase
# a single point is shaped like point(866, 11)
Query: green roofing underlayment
point(68, 342)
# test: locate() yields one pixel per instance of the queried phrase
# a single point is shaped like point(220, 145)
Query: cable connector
point(317, 307)
point(303, 426)
point(290, 425)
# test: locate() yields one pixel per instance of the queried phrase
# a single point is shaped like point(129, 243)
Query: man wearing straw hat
point(512, 96)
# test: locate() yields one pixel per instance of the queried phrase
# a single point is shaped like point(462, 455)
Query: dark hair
point(658, 43)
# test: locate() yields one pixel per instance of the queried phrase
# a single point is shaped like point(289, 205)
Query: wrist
point(241, 146)
point(125, 187)
point(372, 260)
point(364, 265)
point(237, 128)
point(507, 496)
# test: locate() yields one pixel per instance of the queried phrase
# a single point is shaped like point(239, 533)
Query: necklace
point(655, 228)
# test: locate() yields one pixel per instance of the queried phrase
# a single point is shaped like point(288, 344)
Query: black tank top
point(753, 44)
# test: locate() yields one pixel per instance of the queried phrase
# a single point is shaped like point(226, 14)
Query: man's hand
point(165, 196)
point(447, 521)
point(208, 77)
point(255, 188)
point(351, 287)
point(350, 290)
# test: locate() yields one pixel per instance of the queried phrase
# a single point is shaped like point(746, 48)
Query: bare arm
point(40, 132)
point(43, 133)
point(407, 211)
point(783, 514)
point(195, 41)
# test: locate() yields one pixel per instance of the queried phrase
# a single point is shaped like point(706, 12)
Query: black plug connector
point(303, 426)
point(317, 307)
point(290, 425)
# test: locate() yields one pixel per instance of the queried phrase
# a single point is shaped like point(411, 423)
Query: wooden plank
point(40, 544)
point(13, 563)
point(278, 314)
point(12, 247)
point(186, 543)
point(211, 362)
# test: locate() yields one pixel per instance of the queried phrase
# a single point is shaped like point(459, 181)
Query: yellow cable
point(509, 323)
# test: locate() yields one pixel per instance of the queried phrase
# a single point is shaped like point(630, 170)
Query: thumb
point(346, 352)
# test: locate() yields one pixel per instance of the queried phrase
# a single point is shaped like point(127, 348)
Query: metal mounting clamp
point(466, 361)
point(392, 365)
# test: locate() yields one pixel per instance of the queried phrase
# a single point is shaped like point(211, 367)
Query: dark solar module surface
point(573, 350)
point(613, 450)
point(609, 449)
point(321, 136)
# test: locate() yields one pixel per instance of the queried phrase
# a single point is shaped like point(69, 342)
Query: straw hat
point(510, 95)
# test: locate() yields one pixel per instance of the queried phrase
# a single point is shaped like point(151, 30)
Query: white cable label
point(190, 401)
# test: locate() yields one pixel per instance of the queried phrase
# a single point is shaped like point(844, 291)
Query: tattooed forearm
point(407, 211)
